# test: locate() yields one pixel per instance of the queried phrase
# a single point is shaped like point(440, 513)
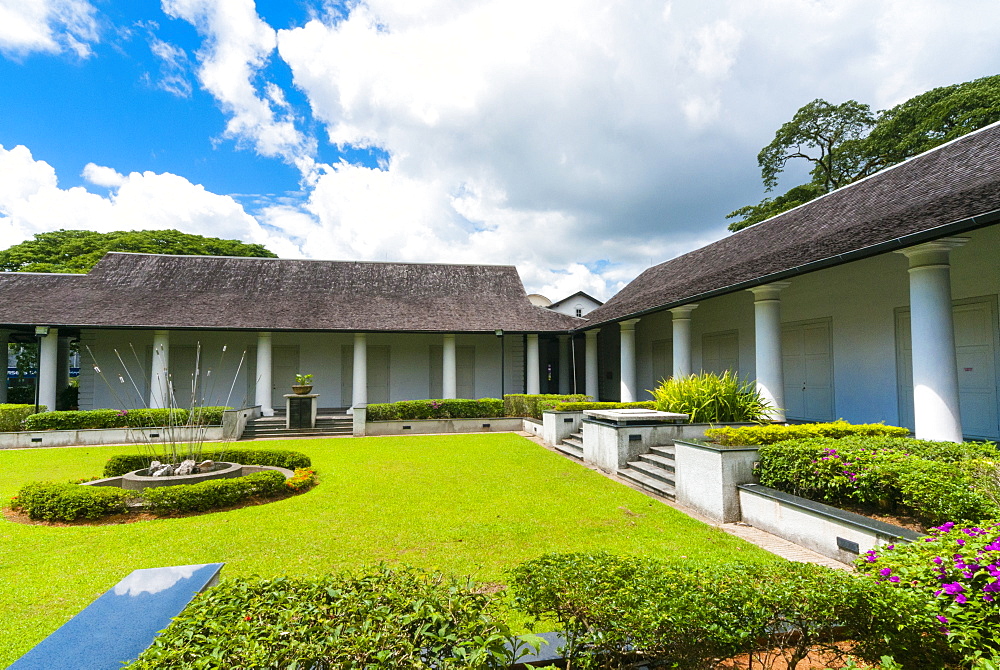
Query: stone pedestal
point(300, 410)
point(612, 438)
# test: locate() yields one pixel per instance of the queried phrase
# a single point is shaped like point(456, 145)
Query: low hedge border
point(408, 410)
point(214, 493)
point(49, 501)
point(532, 405)
point(582, 406)
point(932, 480)
point(733, 436)
point(12, 416)
point(119, 464)
point(124, 418)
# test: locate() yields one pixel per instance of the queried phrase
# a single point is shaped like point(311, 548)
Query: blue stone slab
point(551, 650)
point(121, 624)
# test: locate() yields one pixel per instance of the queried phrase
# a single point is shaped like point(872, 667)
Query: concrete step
point(658, 460)
point(654, 471)
point(651, 484)
point(578, 436)
point(666, 452)
point(575, 441)
point(571, 450)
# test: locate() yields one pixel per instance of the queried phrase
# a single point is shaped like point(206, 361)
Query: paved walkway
point(764, 540)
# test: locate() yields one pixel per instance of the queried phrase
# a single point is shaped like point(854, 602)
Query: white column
point(627, 359)
point(159, 374)
point(565, 371)
point(449, 372)
point(682, 339)
point(265, 383)
point(4, 341)
point(360, 395)
point(767, 346)
point(48, 369)
point(935, 368)
point(592, 382)
point(532, 365)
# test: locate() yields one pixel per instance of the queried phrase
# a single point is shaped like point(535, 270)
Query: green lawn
point(467, 504)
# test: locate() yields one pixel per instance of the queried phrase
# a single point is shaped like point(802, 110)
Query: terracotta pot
point(301, 390)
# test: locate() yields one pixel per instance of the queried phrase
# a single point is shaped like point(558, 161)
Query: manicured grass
point(467, 504)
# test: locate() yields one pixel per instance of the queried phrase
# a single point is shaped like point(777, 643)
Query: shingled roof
point(948, 190)
point(159, 291)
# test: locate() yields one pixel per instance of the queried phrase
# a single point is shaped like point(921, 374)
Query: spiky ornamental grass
point(712, 398)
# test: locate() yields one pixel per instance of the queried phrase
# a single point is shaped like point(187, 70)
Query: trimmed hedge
point(12, 416)
point(406, 410)
point(213, 493)
point(525, 405)
point(119, 464)
point(383, 617)
point(769, 434)
point(581, 406)
point(931, 480)
point(620, 611)
point(131, 418)
point(49, 501)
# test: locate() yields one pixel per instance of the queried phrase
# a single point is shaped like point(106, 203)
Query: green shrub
point(302, 480)
point(119, 464)
point(929, 480)
point(532, 406)
point(626, 611)
point(712, 398)
point(771, 433)
point(398, 617)
point(123, 418)
point(68, 398)
point(12, 416)
point(68, 502)
point(955, 572)
point(214, 493)
point(410, 410)
point(581, 406)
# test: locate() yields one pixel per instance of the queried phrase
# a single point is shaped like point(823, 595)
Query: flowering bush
point(303, 479)
point(931, 480)
point(958, 571)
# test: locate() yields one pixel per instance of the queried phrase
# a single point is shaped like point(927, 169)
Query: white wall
point(320, 354)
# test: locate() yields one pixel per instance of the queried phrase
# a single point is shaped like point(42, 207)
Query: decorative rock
point(165, 471)
point(206, 466)
point(185, 468)
point(155, 465)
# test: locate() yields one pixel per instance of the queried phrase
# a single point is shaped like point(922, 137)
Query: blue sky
point(581, 140)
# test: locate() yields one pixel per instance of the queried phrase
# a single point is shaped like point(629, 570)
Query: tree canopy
point(77, 251)
point(847, 142)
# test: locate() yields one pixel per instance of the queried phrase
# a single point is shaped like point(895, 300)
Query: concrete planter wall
point(94, 436)
point(557, 426)
point(234, 421)
point(707, 476)
point(829, 531)
point(612, 447)
point(426, 426)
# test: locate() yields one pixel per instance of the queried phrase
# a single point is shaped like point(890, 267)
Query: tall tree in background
point(847, 142)
point(78, 251)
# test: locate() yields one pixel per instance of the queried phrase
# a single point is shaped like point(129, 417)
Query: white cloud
point(31, 201)
point(48, 26)
point(174, 66)
point(237, 47)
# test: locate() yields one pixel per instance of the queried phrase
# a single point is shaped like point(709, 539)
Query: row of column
point(935, 372)
point(53, 366)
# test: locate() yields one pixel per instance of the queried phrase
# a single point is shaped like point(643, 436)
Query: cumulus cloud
point(48, 26)
point(238, 45)
point(31, 201)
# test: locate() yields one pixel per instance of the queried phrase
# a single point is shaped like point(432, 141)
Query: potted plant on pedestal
point(303, 384)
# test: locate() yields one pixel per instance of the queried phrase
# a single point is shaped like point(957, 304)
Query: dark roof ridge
point(303, 260)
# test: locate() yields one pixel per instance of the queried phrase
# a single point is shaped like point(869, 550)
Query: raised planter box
point(827, 530)
point(706, 477)
point(427, 426)
point(557, 426)
point(94, 436)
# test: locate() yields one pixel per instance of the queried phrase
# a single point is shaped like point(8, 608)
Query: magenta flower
point(954, 588)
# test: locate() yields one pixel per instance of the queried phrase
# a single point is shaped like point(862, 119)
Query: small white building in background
point(876, 302)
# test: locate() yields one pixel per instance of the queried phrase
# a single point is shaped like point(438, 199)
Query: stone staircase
point(572, 446)
point(653, 472)
point(329, 423)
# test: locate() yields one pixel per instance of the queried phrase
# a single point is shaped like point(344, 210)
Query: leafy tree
point(847, 142)
point(77, 251)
